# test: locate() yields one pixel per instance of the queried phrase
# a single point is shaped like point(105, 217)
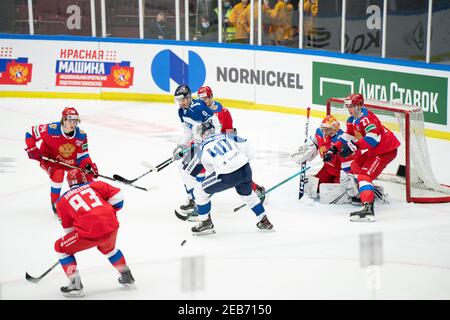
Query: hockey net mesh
point(423, 185)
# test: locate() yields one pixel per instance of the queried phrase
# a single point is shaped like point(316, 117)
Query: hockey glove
point(34, 153)
point(178, 152)
point(92, 168)
point(328, 156)
point(348, 148)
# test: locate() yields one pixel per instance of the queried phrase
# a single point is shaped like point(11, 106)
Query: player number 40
point(232, 309)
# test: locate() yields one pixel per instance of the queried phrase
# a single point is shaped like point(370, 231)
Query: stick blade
point(31, 279)
point(122, 179)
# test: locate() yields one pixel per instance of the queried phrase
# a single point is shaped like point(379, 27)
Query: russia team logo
point(14, 71)
point(92, 68)
point(168, 66)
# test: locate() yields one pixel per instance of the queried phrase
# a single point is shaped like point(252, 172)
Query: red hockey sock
point(69, 265)
point(117, 259)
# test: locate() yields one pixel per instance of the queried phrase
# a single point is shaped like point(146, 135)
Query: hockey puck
point(183, 242)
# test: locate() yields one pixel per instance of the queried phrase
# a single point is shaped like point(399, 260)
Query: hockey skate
point(356, 201)
point(126, 277)
point(259, 191)
point(188, 211)
point(204, 227)
point(264, 224)
point(74, 288)
point(367, 214)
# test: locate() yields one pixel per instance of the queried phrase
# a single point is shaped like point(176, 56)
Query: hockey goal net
point(407, 123)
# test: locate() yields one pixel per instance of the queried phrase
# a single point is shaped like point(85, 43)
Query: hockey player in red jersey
point(88, 215)
point(324, 137)
point(205, 93)
point(365, 132)
point(63, 141)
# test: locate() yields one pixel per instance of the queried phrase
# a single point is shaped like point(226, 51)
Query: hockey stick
point(36, 280)
point(158, 168)
point(87, 171)
point(301, 189)
point(280, 183)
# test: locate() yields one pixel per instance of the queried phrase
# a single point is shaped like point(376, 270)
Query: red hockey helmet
point(70, 113)
point(205, 92)
point(76, 176)
point(355, 99)
point(330, 125)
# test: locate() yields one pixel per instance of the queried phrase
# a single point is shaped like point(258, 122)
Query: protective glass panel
point(159, 19)
point(204, 25)
point(363, 27)
point(406, 29)
point(440, 32)
point(239, 20)
point(322, 20)
point(64, 17)
point(14, 16)
point(122, 18)
point(280, 23)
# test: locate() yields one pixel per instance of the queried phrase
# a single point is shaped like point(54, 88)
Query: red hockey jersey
point(56, 145)
point(367, 132)
point(90, 209)
point(224, 116)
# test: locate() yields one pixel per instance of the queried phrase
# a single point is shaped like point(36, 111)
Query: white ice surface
point(313, 254)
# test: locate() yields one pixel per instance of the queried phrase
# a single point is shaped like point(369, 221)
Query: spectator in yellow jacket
point(240, 19)
point(280, 16)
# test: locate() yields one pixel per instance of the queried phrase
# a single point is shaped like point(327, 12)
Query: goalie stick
point(301, 189)
point(280, 183)
point(87, 171)
point(36, 280)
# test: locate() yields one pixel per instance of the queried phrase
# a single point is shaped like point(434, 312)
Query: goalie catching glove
point(306, 152)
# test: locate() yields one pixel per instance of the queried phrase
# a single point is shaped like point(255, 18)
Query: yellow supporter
point(311, 6)
point(281, 21)
point(240, 19)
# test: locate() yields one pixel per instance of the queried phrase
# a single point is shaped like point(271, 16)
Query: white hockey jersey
point(224, 154)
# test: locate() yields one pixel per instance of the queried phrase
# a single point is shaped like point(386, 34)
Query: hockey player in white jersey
point(192, 114)
point(226, 160)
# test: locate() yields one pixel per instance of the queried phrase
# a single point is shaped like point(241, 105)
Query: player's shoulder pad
point(350, 119)
point(54, 128)
point(217, 107)
point(319, 132)
point(80, 134)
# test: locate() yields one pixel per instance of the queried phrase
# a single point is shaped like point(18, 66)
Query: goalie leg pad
point(333, 193)
point(311, 186)
point(349, 182)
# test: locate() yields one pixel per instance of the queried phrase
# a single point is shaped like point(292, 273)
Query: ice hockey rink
point(314, 252)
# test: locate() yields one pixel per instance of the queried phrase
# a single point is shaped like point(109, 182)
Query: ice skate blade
point(204, 233)
point(365, 219)
point(74, 294)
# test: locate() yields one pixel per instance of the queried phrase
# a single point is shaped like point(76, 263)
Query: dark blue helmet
point(182, 91)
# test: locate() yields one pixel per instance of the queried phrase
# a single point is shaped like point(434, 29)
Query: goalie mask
point(76, 177)
point(354, 103)
point(329, 126)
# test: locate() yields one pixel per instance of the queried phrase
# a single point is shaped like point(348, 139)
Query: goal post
point(407, 123)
